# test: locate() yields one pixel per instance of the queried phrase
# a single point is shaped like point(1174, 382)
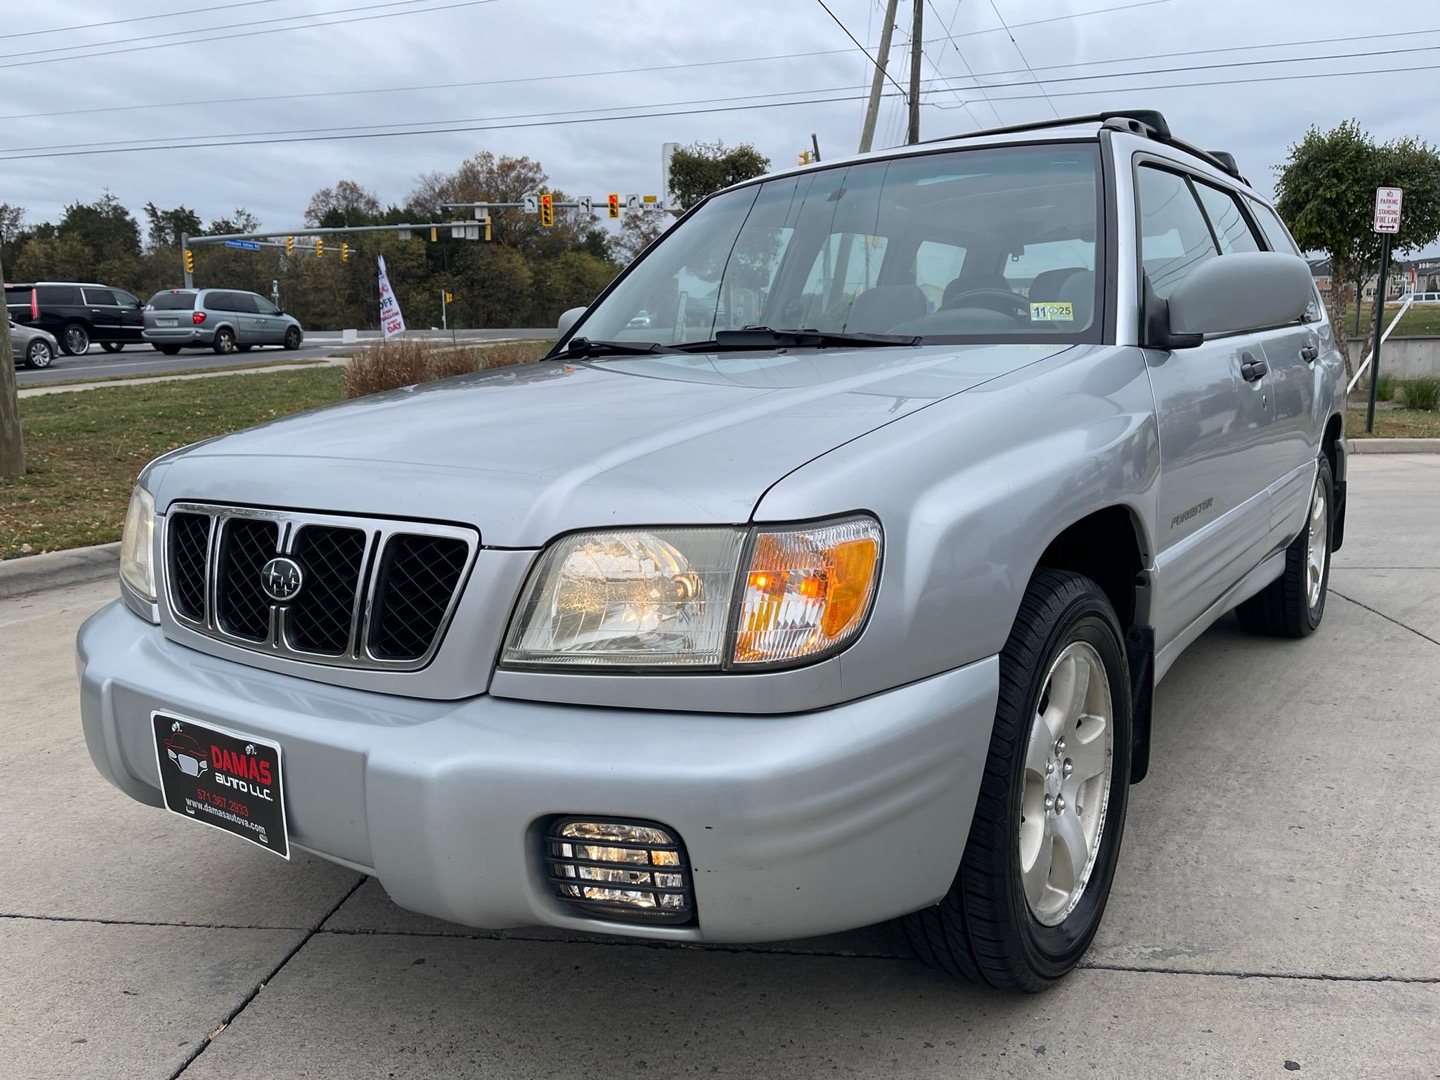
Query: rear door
point(1212, 409)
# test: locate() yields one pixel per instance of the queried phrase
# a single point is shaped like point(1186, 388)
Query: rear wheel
point(112, 346)
point(224, 341)
point(38, 354)
point(1294, 603)
point(292, 338)
point(75, 340)
point(1046, 832)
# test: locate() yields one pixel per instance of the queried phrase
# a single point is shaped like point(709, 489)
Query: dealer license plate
point(224, 779)
point(165, 322)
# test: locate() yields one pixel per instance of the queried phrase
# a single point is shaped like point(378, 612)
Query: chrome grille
point(375, 593)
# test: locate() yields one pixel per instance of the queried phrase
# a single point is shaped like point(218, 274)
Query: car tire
point(75, 340)
point(224, 341)
point(1019, 916)
point(38, 354)
point(112, 346)
point(292, 338)
point(169, 350)
point(1294, 603)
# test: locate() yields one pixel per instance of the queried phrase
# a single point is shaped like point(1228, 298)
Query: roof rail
point(1147, 123)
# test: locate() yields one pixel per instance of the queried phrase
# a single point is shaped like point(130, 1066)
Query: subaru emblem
point(281, 579)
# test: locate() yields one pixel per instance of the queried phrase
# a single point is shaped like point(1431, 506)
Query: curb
point(56, 569)
point(1394, 446)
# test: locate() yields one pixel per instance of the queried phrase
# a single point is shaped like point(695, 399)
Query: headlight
point(667, 597)
point(137, 544)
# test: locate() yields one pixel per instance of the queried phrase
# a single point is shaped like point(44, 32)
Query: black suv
point(77, 313)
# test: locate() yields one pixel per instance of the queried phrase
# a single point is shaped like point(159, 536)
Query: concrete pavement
point(1276, 910)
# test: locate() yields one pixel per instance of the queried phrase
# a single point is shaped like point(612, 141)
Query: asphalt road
point(1276, 909)
point(143, 360)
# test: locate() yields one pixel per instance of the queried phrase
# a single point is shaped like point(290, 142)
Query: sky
point(592, 91)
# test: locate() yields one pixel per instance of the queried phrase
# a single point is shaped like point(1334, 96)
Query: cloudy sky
point(592, 90)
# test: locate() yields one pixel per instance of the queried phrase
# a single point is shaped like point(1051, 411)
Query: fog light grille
point(633, 871)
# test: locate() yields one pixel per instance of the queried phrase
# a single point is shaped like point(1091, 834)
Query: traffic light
point(189, 261)
point(614, 206)
point(449, 298)
point(289, 245)
point(344, 252)
point(487, 229)
point(434, 234)
point(547, 210)
point(804, 157)
point(319, 247)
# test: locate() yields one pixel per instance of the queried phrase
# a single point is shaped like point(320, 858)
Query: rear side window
point(58, 295)
point(1276, 234)
point(242, 302)
point(170, 301)
point(1174, 235)
point(100, 298)
point(219, 301)
point(1231, 228)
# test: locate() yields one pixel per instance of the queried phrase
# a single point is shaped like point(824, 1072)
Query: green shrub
point(1385, 388)
point(408, 361)
point(1422, 394)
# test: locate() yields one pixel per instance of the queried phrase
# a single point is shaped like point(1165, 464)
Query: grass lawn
point(84, 449)
point(1420, 321)
point(1394, 424)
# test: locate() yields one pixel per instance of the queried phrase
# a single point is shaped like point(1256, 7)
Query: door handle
point(1252, 369)
point(1309, 353)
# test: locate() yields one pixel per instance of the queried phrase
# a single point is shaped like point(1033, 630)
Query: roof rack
point(1147, 123)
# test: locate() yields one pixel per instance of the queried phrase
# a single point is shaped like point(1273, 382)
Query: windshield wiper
point(767, 337)
point(581, 348)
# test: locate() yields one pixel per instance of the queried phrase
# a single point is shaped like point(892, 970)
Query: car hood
point(529, 452)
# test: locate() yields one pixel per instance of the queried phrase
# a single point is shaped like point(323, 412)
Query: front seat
point(1047, 285)
point(877, 310)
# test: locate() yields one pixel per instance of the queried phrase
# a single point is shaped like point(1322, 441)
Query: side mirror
point(569, 319)
point(1232, 294)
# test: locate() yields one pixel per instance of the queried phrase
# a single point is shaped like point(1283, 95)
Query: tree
point(1326, 196)
point(701, 168)
point(347, 203)
point(637, 232)
point(12, 445)
point(487, 178)
point(109, 232)
point(241, 221)
point(12, 225)
point(166, 227)
point(1434, 284)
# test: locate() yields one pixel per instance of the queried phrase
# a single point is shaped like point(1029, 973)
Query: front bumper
point(795, 825)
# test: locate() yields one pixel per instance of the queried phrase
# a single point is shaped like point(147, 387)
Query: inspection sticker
point(1052, 311)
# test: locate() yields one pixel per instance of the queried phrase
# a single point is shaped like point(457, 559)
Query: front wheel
point(38, 354)
point(1294, 603)
point(224, 341)
point(1046, 832)
point(292, 338)
point(75, 340)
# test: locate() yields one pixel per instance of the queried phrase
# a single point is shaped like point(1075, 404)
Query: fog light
point(626, 870)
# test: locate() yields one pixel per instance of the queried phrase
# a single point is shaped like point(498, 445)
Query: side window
point(1276, 234)
point(831, 288)
point(100, 298)
point(1225, 215)
point(265, 307)
point(124, 299)
point(1041, 270)
point(243, 302)
point(220, 301)
point(58, 295)
point(1174, 235)
point(936, 265)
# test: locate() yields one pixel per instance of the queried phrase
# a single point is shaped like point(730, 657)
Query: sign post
point(1388, 201)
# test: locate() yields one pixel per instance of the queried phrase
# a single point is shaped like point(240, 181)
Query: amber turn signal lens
point(807, 591)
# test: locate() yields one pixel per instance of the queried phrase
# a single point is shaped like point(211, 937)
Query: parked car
point(225, 320)
point(1423, 298)
point(77, 313)
point(850, 613)
point(33, 348)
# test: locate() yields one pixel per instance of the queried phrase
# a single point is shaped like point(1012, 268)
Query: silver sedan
point(33, 348)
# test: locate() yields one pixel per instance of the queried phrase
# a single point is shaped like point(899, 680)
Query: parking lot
point(1276, 910)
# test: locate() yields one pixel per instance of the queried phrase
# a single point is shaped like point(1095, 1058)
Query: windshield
point(969, 245)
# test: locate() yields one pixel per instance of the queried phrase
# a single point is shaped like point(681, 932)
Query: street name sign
point(248, 245)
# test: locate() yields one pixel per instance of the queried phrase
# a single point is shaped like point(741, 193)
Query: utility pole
point(872, 110)
point(12, 446)
point(917, 53)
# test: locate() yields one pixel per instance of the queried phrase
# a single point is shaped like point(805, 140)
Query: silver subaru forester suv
point(833, 590)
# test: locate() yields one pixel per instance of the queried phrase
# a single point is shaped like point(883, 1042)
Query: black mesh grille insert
point(319, 619)
point(418, 576)
point(241, 606)
point(189, 541)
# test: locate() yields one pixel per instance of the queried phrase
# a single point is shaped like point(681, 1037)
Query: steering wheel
point(1002, 300)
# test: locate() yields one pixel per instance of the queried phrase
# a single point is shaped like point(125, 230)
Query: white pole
point(1380, 299)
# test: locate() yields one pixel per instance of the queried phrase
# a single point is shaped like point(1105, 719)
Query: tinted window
point(1275, 232)
point(265, 307)
point(124, 299)
point(1231, 228)
point(173, 301)
point(218, 301)
point(1174, 236)
point(58, 295)
point(100, 298)
point(243, 302)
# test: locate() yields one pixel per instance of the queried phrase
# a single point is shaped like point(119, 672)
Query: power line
point(862, 48)
point(249, 33)
point(1018, 50)
point(950, 38)
point(936, 68)
point(136, 18)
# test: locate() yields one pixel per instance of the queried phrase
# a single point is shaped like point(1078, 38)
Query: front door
point(105, 322)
